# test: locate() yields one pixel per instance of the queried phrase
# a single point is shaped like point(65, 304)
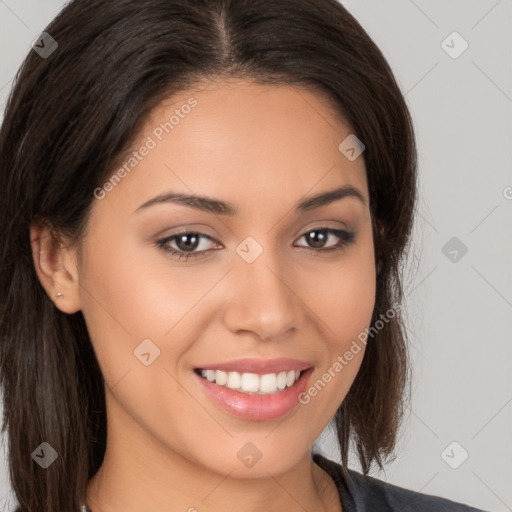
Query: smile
point(253, 397)
point(252, 383)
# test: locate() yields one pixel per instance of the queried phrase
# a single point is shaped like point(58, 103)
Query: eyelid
point(345, 237)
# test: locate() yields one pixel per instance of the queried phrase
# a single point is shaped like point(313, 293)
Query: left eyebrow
point(217, 206)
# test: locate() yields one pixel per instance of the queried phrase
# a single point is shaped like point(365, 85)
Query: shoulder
point(370, 490)
point(362, 493)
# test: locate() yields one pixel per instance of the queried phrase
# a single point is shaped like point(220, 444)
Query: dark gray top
point(363, 493)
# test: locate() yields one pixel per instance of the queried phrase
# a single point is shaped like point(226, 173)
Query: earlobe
point(56, 267)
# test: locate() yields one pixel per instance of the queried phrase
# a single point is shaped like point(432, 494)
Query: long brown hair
point(70, 117)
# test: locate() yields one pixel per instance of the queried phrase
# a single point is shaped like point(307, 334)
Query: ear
point(56, 267)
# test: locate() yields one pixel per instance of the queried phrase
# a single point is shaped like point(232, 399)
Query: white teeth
point(234, 380)
point(281, 380)
point(252, 382)
point(220, 377)
point(268, 383)
point(290, 378)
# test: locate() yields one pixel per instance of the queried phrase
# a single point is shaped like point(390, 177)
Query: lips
point(254, 405)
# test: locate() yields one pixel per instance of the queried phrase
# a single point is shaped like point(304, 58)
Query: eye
point(318, 237)
point(187, 243)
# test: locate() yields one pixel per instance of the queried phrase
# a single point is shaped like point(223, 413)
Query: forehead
point(241, 141)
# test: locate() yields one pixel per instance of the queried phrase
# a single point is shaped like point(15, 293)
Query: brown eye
point(186, 244)
point(318, 237)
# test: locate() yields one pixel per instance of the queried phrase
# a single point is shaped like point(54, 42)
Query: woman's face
point(262, 282)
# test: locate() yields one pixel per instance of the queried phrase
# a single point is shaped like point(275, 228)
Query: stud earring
point(59, 294)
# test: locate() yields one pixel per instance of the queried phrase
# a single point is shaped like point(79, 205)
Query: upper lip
point(259, 366)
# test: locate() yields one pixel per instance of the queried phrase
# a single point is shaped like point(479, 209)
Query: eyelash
point(345, 238)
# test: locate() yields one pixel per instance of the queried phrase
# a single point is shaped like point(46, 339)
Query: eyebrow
point(219, 207)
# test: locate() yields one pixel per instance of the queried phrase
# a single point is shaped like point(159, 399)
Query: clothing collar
point(343, 482)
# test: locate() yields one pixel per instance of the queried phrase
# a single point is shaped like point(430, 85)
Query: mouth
point(251, 383)
point(253, 396)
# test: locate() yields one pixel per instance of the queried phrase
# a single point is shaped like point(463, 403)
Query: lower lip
point(256, 407)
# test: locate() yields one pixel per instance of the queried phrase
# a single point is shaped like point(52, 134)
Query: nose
point(265, 298)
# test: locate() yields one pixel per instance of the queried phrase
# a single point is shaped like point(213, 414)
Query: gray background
point(458, 312)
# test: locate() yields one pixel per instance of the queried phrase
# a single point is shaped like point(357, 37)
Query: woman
point(207, 204)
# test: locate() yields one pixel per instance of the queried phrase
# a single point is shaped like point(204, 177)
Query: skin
point(262, 148)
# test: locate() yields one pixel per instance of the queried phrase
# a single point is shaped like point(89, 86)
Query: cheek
point(345, 299)
point(344, 302)
point(132, 293)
